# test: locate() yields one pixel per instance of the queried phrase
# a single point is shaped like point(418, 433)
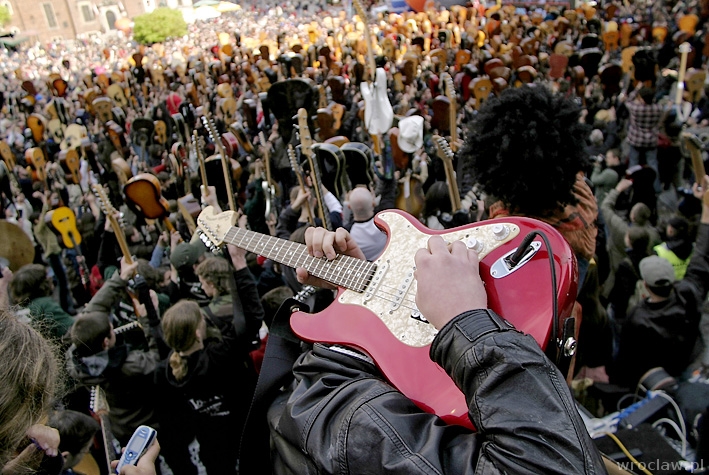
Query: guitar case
point(286, 98)
point(359, 161)
point(331, 161)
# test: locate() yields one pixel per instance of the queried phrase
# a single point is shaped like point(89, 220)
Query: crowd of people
point(306, 120)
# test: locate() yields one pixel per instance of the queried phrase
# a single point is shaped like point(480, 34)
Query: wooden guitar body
point(409, 196)
point(144, 195)
point(370, 314)
point(62, 221)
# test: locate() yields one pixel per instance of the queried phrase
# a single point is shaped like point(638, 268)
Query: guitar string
point(393, 294)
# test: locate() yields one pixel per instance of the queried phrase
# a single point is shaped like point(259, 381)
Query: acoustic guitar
point(71, 164)
point(62, 221)
point(7, 155)
point(144, 196)
point(375, 308)
point(38, 165)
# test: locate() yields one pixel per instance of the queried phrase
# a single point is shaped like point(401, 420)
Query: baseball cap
point(186, 254)
point(657, 271)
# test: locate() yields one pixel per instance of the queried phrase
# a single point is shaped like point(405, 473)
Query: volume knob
point(500, 231)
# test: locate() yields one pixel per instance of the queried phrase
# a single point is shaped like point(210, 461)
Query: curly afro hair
point(525, 148)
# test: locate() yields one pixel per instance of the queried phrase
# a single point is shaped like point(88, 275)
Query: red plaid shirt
point(645, 120)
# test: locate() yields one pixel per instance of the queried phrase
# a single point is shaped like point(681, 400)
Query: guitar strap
point(282, 349)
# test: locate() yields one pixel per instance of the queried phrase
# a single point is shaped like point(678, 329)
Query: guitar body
point(35, 159)
point(399, 341)
point(359, 162)
point(143, 195)
point(35, 123)
point(331, 161)
point(62, 221)
point(409, 196)
point(71, 164)
point(7, 155)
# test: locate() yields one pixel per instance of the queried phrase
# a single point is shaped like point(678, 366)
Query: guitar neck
point(121, 238)
point(446, 156)
point(306, 143)
point(301, 182)
point(343, 271)
point(452, 185)
point(226, 163)
point(103, 419)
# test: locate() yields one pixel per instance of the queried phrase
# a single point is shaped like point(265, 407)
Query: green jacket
point(50, 316)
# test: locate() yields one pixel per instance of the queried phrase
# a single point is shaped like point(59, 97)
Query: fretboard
point(343, 271)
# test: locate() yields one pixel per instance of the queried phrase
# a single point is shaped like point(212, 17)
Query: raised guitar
point(694, 146)
point(306, 149)
point(100, 410)
point(452, 113)
point(62, 221)
point(375, 308)
point(269, 187)
point(446, 155)
point(144, 195)
point(300, 176)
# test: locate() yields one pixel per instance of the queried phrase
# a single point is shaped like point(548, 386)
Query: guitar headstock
point(297, 169)
point(213, 228)
point(103, 200)
point(262, 141)
point(443, 149)
point(97, 402)
point(691, 142)
point(449, 86)
point(305, 139)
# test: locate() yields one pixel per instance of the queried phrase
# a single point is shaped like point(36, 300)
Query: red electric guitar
point(375, 309)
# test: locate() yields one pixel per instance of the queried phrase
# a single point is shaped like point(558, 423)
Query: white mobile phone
point(139, 442)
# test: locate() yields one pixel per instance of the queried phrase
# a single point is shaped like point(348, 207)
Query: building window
point(87, 13)
point(49, 13)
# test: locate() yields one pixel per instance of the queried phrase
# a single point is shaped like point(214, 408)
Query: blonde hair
point(29, 372)
point(179, 326)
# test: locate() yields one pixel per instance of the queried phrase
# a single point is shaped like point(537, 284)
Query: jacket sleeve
point(250, 302)
point(287, 222)
point(613, 219)
point(698, 269)
point(517, 399)
point(107, 295)
point(343, 416)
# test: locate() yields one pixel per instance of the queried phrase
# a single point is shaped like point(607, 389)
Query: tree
point(156, 27)
point(5, 16)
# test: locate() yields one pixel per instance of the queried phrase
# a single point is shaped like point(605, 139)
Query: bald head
point(362, 204)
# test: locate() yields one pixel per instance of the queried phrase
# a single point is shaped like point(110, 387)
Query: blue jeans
point(635, 156)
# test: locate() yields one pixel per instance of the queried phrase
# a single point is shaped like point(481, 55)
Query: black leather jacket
point(342, 418)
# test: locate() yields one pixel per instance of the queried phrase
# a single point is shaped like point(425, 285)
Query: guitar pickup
point(401, 291)
point(376, 281)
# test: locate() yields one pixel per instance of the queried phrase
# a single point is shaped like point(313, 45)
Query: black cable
point(514, 260)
